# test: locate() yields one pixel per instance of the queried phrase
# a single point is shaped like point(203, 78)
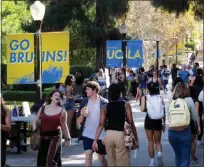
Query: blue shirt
point(184, 75)
point(142, 79)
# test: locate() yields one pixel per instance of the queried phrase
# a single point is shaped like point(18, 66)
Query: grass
point(10, 104)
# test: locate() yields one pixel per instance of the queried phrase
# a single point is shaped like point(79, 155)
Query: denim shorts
point(69, 105)
point(87, 143)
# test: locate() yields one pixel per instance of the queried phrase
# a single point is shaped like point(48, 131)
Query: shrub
point(21, 95)
point(87, 70)
point(190, 44)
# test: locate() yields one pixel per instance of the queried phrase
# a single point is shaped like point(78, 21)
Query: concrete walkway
point(74, 156)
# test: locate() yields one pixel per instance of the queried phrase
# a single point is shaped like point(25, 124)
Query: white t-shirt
point(92, 120)
point(200, 97)
point(163, 77)
point(113, 76)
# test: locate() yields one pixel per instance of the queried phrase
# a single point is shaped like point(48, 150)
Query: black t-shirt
point(174, 72)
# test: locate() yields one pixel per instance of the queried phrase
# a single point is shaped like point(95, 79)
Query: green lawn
point(10, 104)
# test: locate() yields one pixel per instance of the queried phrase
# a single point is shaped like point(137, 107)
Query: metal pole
point(38, 63)
point(176, 51)
point(157, 58)
point(124, 45)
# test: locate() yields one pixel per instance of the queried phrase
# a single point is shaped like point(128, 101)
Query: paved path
point(74, 155)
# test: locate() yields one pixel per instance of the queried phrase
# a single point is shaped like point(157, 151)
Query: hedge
point(21, 95)
point(190, 44)
point(87, 71)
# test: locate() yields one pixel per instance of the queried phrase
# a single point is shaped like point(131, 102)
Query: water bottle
point(15, 110)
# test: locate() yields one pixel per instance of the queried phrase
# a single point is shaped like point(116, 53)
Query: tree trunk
point(100, 55)
point(101, 22)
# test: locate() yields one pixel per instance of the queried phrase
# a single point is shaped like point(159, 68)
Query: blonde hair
point(180, 91)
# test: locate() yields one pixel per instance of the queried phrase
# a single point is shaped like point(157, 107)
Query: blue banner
point(114, 54)
point(134, 54)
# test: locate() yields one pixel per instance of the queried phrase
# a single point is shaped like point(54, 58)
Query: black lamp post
point(157, 42)
point(38, 11)
point(123, 30)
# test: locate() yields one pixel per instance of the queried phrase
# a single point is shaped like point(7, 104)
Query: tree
point(181, 6)
point(106, 11)
point(144, 23)
point(14, 15)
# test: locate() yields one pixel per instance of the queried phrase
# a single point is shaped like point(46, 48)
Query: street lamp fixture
point(37, 10)
point(123, 30)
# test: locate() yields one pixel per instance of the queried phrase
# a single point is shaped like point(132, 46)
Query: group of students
point(111, 114)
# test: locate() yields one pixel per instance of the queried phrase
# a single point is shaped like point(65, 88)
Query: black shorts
point(87, 143)
point(151, 124)
point(193, 127)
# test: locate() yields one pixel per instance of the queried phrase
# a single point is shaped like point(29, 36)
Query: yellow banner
point(180, 50)
point(55, 57)
point(20, 58)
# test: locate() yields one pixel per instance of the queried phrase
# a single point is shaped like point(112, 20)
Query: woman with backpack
point(181, 112)
point(153, 104)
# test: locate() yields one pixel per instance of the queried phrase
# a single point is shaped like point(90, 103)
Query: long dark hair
point(68, 80)
point(114, 92)
point(51, 94)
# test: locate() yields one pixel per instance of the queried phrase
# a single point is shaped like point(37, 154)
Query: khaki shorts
point(143, 91)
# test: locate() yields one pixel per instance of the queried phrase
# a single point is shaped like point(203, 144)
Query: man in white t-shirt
point(89, 117)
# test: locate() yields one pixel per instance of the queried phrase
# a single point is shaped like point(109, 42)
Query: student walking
point(165, 74)
point(181, 112)
point(5, 128)
point(113, 116)
point(153, 104)
point(53, 120)
point(195, 126)
point(89, 117)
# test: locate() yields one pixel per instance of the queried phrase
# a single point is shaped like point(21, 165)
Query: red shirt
point(50, 122)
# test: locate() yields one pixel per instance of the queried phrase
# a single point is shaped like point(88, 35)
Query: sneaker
point(74, 142)
point(151, 163)
point(194, 161)
point(13, 150)
point(199, 143)
point(160, 161)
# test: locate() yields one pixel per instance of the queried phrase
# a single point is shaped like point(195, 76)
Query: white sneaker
point(160, 161)
point(74, 142)
point(151, 163)
point(199, 143)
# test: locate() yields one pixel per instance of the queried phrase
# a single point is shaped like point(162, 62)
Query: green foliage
point(181, 6)
point(87, 70)
point(88, 21)
point(13, 17)
point(21, 95)
point(190, 44)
